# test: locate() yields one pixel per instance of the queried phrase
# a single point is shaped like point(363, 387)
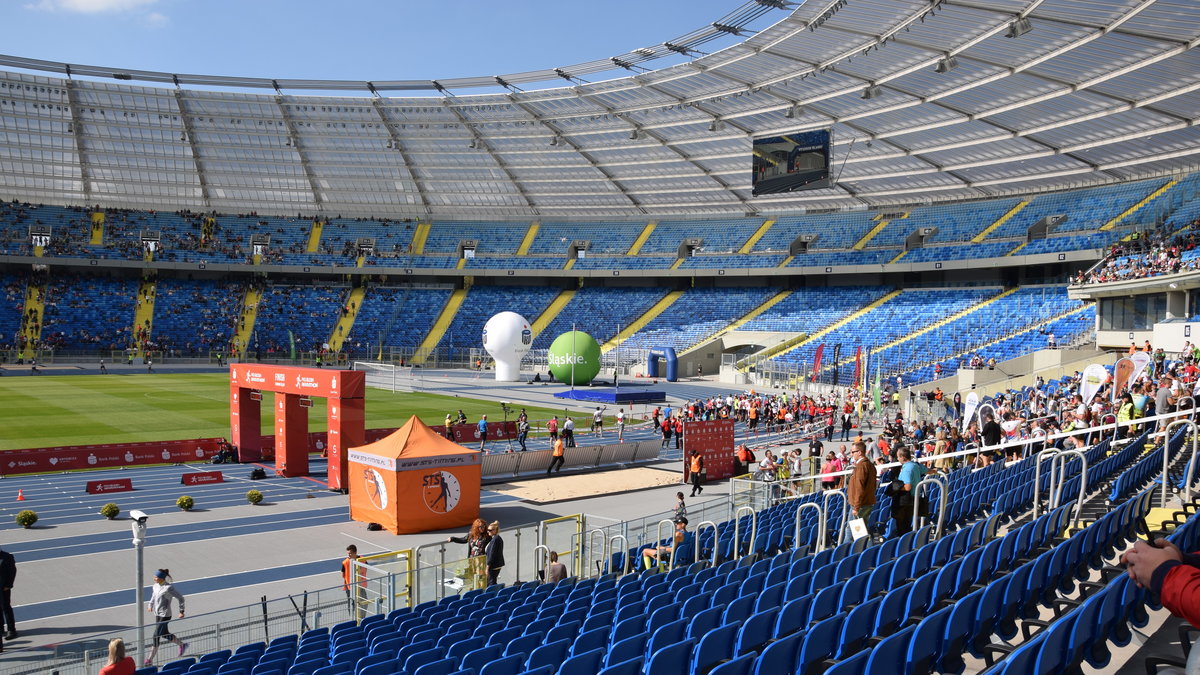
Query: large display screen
point(798, 161)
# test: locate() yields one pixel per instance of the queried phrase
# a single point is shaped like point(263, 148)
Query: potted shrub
point(26, 518)
point(110, 510)
point(185, 502)
point(254, 496)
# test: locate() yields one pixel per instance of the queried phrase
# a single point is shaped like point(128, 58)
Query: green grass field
point(88, 409)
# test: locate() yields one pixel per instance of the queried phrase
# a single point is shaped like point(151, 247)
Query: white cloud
point(156, 20)
point(89, 6)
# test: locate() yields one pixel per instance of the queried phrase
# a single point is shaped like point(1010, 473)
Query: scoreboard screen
point(790, 162)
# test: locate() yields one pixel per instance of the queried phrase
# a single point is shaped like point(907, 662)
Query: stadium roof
point(928, 101)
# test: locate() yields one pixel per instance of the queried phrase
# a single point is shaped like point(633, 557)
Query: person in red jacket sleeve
point(1169, 573)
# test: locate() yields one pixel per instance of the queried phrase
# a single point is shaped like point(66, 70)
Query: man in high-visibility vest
point(556, 460)
point(696, 470)
point(348, 572)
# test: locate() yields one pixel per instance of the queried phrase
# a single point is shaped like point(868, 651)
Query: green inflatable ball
point(575, 358)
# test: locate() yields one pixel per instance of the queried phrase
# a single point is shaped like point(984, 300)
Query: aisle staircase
point(245, 327)
point(978, 239)
point(143, 313)
point(641, 239)
point(527, 241)
point(882, 223)
point(749, 316)
point(345, 322)
point(786, 347)
point(569, 264)
point(758, 234)
point(97, 229)
point(1018, 248)
point(898, 256)
point(552, 311)
point(35, 295)
point(786, 261)
point(640, 323)
point(1136, 207)
point(420, 235)
point(314, 236)
point(439, 328)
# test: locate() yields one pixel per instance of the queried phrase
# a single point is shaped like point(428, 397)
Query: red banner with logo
point(714, 440)
point(71, 457)
point(202, 478)
point(817, 359)
point(102, 487)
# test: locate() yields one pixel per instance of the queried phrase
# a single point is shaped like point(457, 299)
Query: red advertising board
point(496, 431)
point(71, 457)
point(202, 478)
point(714, 440)
point(101, 487)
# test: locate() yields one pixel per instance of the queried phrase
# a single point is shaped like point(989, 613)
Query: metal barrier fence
point(225, 629)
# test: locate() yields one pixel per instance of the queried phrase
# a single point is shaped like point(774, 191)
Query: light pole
point(139, 542)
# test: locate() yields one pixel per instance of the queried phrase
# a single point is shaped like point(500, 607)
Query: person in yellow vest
point(696, 469)
point(556, 460)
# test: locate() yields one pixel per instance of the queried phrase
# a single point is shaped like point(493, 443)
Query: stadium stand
point(465, 331)
point(698, 314)
point(600, 309)
point(300, 314)
point(89, 313)
point(397, 316)
point(194, 317)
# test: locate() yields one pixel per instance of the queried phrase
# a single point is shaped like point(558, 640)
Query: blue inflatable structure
point(654, 364)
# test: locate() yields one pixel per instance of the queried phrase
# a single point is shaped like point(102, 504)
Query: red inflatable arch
point(294, 387)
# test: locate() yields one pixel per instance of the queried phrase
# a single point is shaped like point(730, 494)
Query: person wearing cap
point(160, 607)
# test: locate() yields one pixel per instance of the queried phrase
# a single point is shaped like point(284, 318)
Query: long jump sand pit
point(558, 488)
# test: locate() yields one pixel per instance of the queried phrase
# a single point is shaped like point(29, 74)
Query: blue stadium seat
point(584, 663)
point(630, 667)
point(780, 656)
point(715, 646)
point(505, 665)
point(550, 653)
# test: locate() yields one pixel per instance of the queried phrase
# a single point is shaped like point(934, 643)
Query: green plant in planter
point(185, 502)
point(254, 496)
point(26, 518)
point(110, 510)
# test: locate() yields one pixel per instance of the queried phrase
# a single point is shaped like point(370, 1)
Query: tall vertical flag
point(878, 391)
point(292, 345)
point(837, 357)
point(858, 355)
point(817, 360)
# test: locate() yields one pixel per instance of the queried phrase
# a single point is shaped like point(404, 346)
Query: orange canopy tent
point(414, 480)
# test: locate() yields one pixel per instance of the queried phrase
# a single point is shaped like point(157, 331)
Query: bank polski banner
point(1123, 376)
point(970, 404)
point(1093, 378)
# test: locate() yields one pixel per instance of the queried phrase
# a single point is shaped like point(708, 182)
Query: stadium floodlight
point(946, 65)
point(1018, 28)
point(636, 134)
point(796, 110)
point(870, 92)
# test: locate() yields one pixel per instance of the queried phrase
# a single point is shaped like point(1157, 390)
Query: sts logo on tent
point(441, 491)
point(376, 488)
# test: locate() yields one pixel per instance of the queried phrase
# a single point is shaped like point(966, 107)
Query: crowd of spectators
point(1150, 254)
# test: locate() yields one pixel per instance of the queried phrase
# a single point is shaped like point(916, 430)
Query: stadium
point(903, 292)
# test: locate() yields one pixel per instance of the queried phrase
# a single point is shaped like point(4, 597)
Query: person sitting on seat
point(662, 553)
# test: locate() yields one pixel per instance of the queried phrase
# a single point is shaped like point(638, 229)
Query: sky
point(346, 39)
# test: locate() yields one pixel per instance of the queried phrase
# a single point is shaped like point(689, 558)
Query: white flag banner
point(1094, 377)
point(1141, 361)
point(971, 403)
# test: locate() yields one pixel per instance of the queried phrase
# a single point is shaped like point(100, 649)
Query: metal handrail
point(945, 497)
point(542, 566)
point(821, 525)
point(591, 540)
point(1056, 490)
point(737, 530)
point(845, 510)
point(716, 540)
point(624, 552)
point(1166, 482)
point(1037, 476)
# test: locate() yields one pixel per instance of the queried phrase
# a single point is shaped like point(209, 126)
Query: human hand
point(1143, 559)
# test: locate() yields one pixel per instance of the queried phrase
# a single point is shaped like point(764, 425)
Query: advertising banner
point(102, 487)
point(714, 440)
point(1123, 376)
point(202, 478)
point(71, 457)
point(1094, 377)
point(970, 404)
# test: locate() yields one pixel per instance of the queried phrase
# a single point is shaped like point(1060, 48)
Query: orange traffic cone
point(20, 495)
